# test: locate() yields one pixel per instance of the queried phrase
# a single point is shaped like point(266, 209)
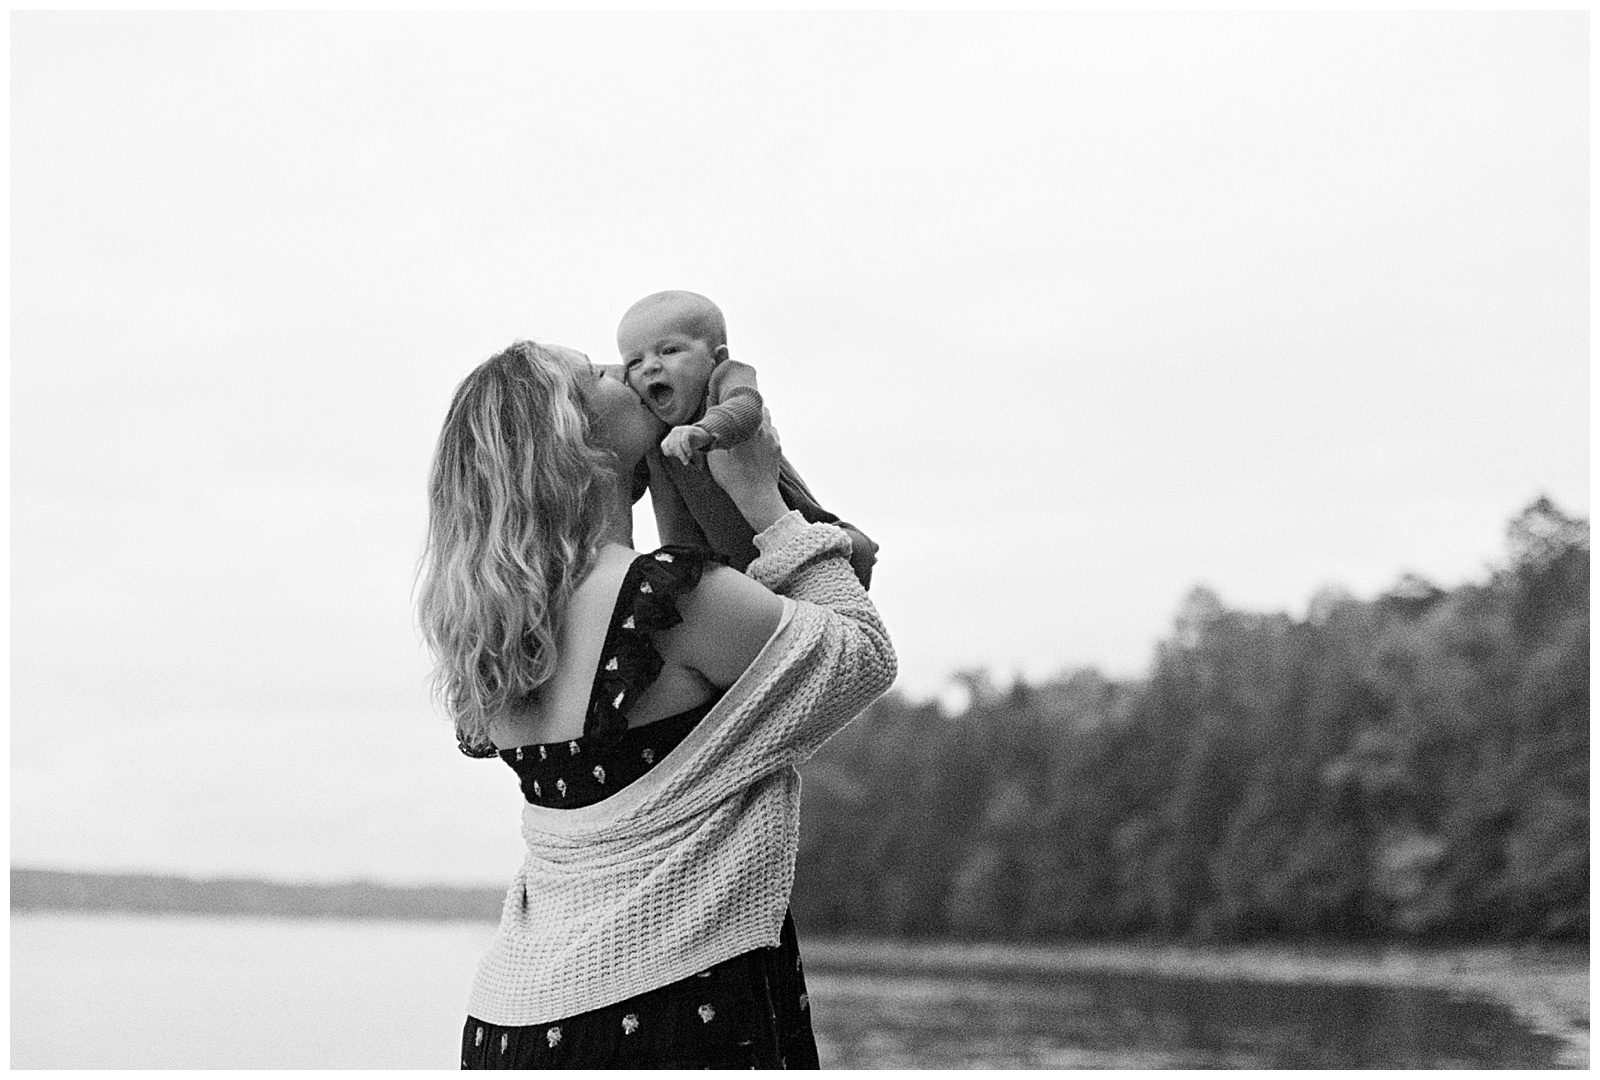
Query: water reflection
point(166, 993)
point(1139, 1021)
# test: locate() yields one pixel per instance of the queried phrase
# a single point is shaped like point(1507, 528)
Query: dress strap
point(629, 662)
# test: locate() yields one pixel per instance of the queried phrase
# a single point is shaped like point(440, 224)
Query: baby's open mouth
point(659, 395)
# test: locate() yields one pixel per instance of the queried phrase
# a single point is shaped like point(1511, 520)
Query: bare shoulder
point(727, 619)
point(725, 598)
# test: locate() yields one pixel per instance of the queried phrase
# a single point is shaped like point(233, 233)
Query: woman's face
point(622, 424)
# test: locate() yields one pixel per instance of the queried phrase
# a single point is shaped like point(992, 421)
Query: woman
point(653, 706)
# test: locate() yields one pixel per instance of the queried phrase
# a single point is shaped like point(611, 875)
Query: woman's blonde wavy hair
point(515, 517)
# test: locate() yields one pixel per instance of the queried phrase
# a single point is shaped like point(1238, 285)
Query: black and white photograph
point(800, 539)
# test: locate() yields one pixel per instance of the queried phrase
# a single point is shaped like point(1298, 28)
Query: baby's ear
point(720, 353)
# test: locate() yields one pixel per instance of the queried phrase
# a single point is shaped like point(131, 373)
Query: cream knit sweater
point(693, 863)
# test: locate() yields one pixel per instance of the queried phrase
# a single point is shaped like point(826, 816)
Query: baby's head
point(669, 343)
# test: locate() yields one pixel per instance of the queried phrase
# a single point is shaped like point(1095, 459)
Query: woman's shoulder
point(595, 594)
point(727, 619)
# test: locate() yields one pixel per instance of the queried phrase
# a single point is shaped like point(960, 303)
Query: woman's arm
point(749, 474)
point(834, 654)
point(729, 617)
point(727, 620)
point(839, 642)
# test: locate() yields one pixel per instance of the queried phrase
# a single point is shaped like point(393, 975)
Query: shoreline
point(1545, 987)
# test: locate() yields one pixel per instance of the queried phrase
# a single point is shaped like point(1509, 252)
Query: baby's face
point(667, 367)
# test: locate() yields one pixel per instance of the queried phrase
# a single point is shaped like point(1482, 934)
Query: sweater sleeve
point(735, 410)
point(843, 657)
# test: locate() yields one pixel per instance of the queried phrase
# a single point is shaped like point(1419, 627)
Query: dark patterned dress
point(750, 1011)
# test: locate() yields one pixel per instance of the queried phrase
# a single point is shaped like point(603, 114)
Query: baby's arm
point(735, 411)
point(732, 417)
point(674, 523)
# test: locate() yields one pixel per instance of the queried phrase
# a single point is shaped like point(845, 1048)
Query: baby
point(674, 349)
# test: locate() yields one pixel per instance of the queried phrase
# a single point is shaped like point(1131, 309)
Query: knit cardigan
point(693, 863)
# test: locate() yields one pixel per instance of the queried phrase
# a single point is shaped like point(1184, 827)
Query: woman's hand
point(749, 474)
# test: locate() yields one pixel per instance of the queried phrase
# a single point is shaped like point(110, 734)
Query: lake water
point(130, 991)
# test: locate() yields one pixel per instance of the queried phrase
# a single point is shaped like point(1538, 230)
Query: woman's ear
point(720, 353)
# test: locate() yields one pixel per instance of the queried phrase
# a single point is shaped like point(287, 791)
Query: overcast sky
point(1071, 312)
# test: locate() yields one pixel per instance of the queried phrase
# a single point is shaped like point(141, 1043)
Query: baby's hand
point(682, 441)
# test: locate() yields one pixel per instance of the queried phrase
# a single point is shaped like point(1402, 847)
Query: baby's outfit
point(691, 508)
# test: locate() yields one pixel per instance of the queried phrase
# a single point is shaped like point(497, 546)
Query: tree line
point(1411, 767)
point(159, 894)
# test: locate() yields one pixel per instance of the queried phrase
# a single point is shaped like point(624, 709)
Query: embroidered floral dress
point(750, 1011)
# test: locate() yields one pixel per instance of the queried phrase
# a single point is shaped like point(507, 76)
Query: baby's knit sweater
point(693, 863)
